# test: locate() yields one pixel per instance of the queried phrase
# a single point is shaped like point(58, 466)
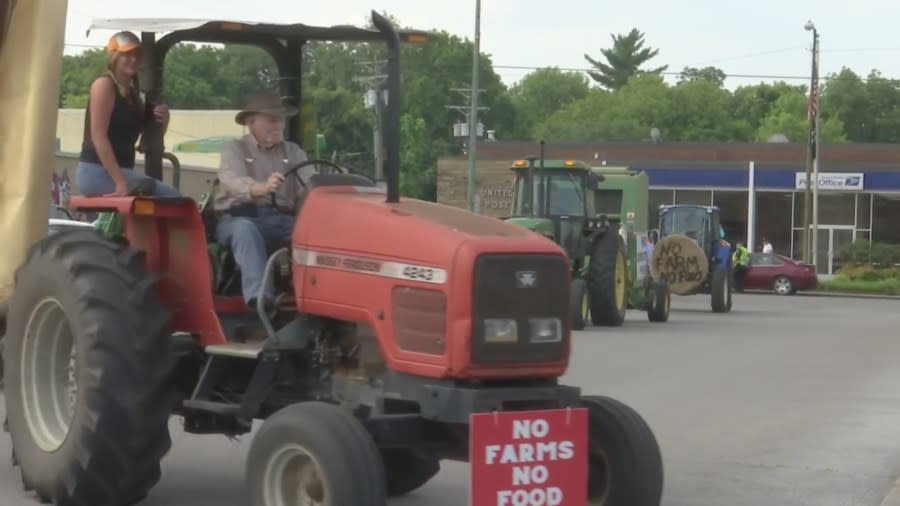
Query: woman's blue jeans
point(93, 181)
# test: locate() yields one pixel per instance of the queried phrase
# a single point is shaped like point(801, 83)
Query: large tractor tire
point(659, 302)
point(408, 470)
point(88, 372)
point(624, 461)
point(315, 453)
point(578, 304)
point(720, 290)
point(608, 281)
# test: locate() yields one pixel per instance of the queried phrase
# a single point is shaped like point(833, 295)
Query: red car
point(769, 271)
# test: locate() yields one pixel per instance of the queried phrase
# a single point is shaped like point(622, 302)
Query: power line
point(465, 66)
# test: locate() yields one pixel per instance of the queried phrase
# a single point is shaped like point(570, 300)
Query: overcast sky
point(762, 38)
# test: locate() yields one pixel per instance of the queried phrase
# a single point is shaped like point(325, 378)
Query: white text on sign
point(530, 475)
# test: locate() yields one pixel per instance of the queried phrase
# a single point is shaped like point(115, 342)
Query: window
point(863, 206)
point(608, 201)
point(658, 198)
point(773, 218)
point(886, 208)
point(693, 197)
point(565, 197)
point(764, 259)
point(563, 192)
point(689, 221)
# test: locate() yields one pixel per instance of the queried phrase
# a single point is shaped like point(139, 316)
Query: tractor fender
point(721, 255)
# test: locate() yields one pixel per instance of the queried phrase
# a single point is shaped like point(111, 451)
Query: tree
point(541, 93)
point(869, 110)
point(624, 60)
point(789, 117)
point(711, 74)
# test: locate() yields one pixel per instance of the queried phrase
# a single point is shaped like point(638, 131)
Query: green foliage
point(548, 104)
point(623, 60)
point(876, 253)
point(890, 286)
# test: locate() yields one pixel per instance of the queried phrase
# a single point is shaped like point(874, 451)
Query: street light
point(811, 205)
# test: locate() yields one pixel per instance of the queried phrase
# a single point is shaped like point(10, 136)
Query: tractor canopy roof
point(550, 164)
point(216, 30)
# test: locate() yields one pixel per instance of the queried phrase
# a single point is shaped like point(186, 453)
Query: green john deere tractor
point(550, 199)
point(622, 196)
point(581, 209)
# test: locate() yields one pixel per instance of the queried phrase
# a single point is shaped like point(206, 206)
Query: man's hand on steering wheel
point(294, 171)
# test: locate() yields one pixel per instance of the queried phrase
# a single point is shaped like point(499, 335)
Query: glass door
point(826, 253)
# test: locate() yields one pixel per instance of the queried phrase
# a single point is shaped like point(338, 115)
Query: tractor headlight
point(545, 330)
point(500, 331)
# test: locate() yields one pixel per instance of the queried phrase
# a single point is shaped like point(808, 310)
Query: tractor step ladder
point(249, 350)
point(218, 408)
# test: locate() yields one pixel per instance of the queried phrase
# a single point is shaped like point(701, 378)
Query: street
point(785, 401)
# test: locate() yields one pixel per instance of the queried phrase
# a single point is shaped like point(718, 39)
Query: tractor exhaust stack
point(392, 111)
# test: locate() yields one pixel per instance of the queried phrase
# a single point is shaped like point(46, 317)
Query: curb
point(819, 293)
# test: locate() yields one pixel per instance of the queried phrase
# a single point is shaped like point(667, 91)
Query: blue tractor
point(691, 254)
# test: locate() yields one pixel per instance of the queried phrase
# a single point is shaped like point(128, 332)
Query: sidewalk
point(823, 293)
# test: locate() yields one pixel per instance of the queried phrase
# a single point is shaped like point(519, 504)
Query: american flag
point(813, 103)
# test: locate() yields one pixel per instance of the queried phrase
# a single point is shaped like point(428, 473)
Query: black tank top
point(126, 124)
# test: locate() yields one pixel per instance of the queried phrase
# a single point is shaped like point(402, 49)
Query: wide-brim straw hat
point(266, 103)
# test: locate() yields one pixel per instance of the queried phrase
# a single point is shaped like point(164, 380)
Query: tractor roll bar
point(392, 126)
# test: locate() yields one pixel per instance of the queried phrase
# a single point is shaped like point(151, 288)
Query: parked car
point(768, 271)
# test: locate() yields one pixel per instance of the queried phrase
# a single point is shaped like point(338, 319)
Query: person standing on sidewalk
point(740, 259)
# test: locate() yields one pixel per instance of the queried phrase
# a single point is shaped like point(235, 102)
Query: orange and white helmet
point(123, 42)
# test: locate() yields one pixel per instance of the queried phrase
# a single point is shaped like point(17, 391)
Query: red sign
point(529, 458)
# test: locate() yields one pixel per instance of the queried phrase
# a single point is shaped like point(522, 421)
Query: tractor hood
point(358, 220)
point(543, 226)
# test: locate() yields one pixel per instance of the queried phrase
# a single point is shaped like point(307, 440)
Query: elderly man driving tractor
point(250, 173)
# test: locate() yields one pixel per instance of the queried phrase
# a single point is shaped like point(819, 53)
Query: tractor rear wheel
point(660, 300)
point(720, 290)
point(407, 470)
point(624, 461)
point(608, 280)
point(88, 365)
point(315, 453)
point(578, 304)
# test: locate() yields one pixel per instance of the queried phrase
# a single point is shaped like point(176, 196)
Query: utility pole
point(374, 80)
point(473, 112)
point(461, 130)
point(811, 208)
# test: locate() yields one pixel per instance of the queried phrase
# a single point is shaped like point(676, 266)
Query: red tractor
point(400, 322)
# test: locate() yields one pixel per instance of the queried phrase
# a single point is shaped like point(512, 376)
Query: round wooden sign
point(680, 262)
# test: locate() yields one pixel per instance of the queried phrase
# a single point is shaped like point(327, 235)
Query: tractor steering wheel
point(294, 171)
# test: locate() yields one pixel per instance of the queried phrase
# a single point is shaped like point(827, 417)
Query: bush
point(867, 272)
point(876, 253)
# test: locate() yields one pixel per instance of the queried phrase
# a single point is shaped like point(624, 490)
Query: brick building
point(859, 185)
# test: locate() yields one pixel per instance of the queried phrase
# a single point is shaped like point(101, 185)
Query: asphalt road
point(785, 401)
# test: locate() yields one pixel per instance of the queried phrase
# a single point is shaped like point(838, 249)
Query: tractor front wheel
point(624, 461)
point(88, 365)
point(608, 280)
point(315, 453)
point(660, 300)
point(578, 304)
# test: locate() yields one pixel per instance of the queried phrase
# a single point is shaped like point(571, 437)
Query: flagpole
point(816, 138)
point(808, 244)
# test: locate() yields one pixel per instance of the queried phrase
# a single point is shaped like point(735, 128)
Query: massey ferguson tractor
point(407, 332)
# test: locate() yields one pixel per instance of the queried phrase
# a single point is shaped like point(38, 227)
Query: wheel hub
point(293, 478)
point(49, 372)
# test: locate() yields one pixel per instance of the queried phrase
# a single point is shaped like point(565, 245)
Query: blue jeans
point(93, 180)
point(247, 236)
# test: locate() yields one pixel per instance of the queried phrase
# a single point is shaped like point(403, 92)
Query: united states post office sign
point(833, 181)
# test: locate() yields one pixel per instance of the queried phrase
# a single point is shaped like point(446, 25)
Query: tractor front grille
point(524, 289)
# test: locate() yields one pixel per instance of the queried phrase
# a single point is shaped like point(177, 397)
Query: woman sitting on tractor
point(115, 118)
